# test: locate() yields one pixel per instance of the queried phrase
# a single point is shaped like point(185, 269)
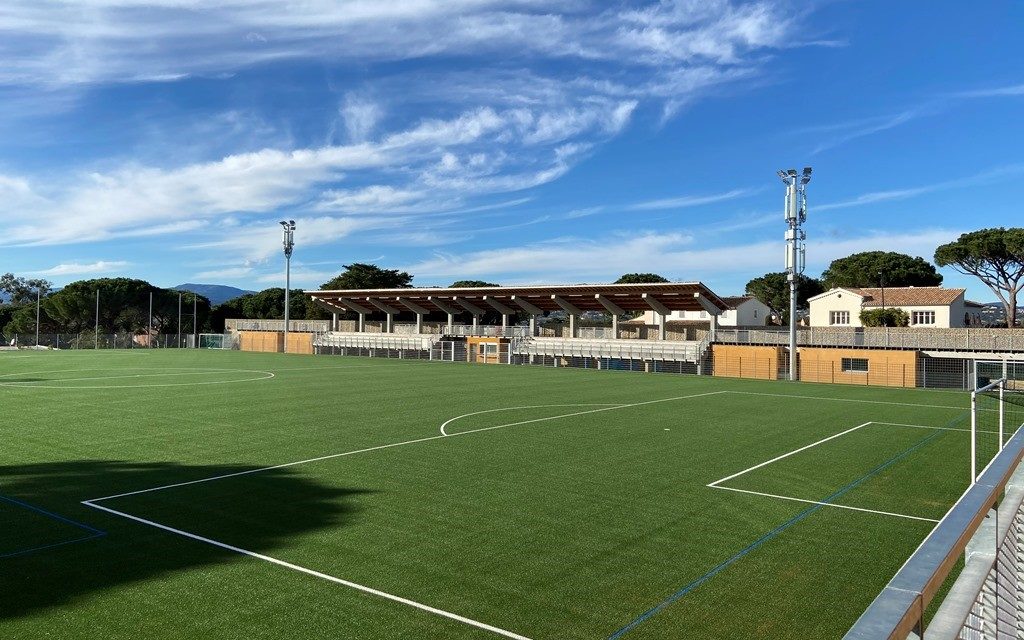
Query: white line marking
point(317, 574)
point(132, 375)
point(786, 455)
point(717, 483)
point(400, 444)
point(825, 504)
point(924, 426)
point(535, 406)
point(898, 404)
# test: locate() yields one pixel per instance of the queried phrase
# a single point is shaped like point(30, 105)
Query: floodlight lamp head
point(792, 173)
point(783, 175)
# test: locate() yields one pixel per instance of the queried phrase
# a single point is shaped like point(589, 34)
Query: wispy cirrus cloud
point(873, 197)
point(839, 133)
point(551, 82)
point(83, 268)
point(682, 202)
point(675, 255)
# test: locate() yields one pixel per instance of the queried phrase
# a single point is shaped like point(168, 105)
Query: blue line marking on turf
point(672, 599)
point(93, 531)
point(24, 552)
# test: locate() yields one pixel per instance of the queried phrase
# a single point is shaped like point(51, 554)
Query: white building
point(742, 311)
point(926, 306)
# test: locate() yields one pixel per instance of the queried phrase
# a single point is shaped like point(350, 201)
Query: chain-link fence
point(879, 368)
point(91, 340)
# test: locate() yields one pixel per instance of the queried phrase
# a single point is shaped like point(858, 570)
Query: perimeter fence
point(91, 340)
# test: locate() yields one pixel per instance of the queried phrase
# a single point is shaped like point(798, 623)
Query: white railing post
point(974, 435)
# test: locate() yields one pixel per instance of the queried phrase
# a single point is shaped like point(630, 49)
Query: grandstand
point(509, 343)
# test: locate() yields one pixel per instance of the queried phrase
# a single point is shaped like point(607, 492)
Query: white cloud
point(128, 41)
point(580, 71)
point(78, 268)
point(673, 255)
point(985, 177)
point(689, 201)
point(361, 117)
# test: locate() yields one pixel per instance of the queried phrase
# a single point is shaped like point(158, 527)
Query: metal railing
point(486, 330)
point(629, 349)
point(91, 340)
point(922, 338)
point(301, 326)
point(986, 602)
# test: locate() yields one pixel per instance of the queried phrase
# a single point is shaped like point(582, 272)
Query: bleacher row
point(682, 351)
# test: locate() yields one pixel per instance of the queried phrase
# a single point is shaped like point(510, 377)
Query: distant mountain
point(994, 314)
point(217, 293)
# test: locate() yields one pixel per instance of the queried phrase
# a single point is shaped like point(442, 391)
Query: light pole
point(289, 244)
point(881, 283)
point(796, 251)
point(38, 294)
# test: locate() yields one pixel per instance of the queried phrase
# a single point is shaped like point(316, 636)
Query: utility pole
point(179, 321)
point(97, 345)
point(149, 335)
point(289, 244)
point(195, 320)
point(38, 294)
point(796, 251)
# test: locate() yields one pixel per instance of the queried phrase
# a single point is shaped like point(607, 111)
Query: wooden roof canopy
point(613, 298)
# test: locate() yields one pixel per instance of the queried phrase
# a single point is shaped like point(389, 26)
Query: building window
point(703, 314)
point(922, 317)
point(855, 365)
point(839, 317)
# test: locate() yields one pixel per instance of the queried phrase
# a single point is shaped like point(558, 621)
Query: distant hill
point(994, 314)
point(217, 293)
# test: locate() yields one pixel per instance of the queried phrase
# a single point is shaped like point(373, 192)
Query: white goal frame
point(225, 341)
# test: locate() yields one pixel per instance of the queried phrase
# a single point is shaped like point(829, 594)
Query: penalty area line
point(825, 504)
point(317, 574)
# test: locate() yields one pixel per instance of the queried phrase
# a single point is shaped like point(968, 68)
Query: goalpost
point(997, 412)
point(217, 341)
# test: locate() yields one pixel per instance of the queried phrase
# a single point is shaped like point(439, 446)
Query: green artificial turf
point(581, 511)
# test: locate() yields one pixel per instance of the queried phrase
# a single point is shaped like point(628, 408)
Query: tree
point(369, 276)
point(640, 278)
point(773, 290)
point(124, 306)
point(878, 268)
point(469, 284)
point(994, 256)
point(21, 290)
point(888, 317)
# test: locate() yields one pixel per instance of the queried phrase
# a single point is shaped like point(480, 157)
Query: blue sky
point(519, 141)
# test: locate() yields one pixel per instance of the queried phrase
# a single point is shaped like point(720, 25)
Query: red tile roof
point(909, 296)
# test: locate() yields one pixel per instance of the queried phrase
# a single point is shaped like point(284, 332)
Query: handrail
point(898, 610)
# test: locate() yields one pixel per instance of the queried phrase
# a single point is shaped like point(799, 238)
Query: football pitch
point(206, 494)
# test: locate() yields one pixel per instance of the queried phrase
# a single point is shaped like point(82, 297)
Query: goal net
point(218, 341)
point(997, 412)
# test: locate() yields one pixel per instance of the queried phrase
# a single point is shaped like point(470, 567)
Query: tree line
point(994, 256)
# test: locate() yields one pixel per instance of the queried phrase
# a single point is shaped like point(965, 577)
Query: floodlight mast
point(796, 250)
point(289, 244)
